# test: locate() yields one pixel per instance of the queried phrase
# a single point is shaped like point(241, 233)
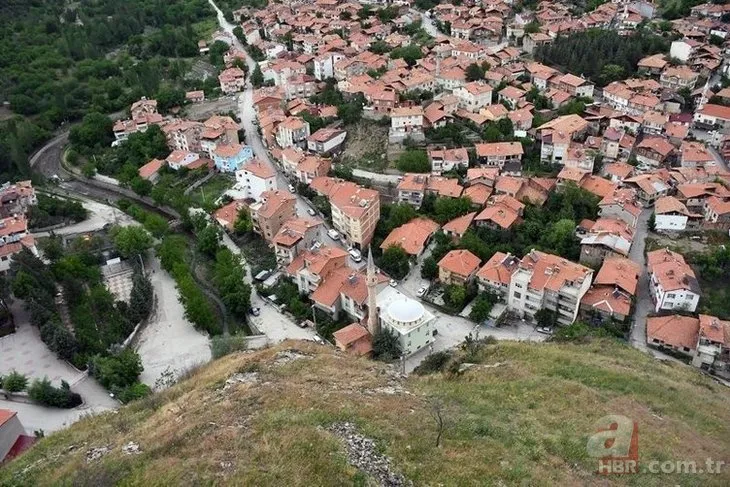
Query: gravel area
point(362, 453)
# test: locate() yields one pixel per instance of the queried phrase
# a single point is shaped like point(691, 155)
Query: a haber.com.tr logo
point(615, 444)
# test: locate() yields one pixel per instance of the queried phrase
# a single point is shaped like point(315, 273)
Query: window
point(670, 296)
point(517, 295)
point(519, 286)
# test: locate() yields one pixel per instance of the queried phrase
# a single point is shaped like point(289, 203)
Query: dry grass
point(523, 423)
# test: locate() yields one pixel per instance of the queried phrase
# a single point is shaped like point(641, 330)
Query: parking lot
point(25, 352)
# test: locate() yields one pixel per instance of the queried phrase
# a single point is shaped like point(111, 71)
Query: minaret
point(372, 283)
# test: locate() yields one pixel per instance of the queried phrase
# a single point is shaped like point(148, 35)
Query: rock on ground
point(361, 453)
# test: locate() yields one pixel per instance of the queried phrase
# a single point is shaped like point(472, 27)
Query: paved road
point(247, 114)
point(427, 24)
point(99, 215)
point(644, 304)
point(718, 158)
point(169, 343)
point(47, 161)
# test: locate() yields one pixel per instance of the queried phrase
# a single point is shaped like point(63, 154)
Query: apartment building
point(474, 96)
point(497, 154)
point(310, 269)
point(296, 236)
point(14, 237)
point(293, 131)
point(444, 160)
point(458, 267)
point(271, 212)
point(232, 80)
point(546, 281)
point(355, 210)
point(496, 274)
point(326, 140)
point(254, 178)
point(672, 282)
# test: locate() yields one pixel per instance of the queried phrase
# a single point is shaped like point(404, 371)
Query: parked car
point(421, 292)
point(333, 234)
point(356, 255)
point(546, 330)
point(292, 189)
point(393, 283)
point(255, 311)
point(311, 211)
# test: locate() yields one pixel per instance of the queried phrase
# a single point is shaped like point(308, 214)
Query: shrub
point(436, 362)
point(14, 382)
point(223, 345)
point(133, 392)
point(119, 370)
point(385, 346)
point(43, 393)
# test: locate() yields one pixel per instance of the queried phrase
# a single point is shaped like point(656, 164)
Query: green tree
point(474, 72)
point(414, 160)
point(395, 262)
point(209, 239)
point(429, 268)
point(257, 77)
point(546, 318)
point(446, 209)
point(131, 240)
point(14, 382)
point(94, 132)
point(455, 296)
point(385, 346)
point(118, 370)
point(243, 224)
point(482, 306)
point(410, 54)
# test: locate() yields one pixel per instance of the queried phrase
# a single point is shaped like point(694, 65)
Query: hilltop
point(521, 415)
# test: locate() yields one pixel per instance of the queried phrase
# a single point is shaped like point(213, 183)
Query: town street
point(644, 304)
point(99, 216)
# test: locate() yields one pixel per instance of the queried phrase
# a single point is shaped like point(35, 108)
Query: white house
point(406, 122)
point(682, 49)
point(254, 178)
point(670, 214)
point(181, 158)
point(546, 281)
point(672, 282)
point(324, 65)
point(474, 96)
point(326, 140)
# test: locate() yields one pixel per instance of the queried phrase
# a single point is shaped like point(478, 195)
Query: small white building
point(326, 140)
point(254, 178)
point(413, 324)
point(406, 122)
point(672, 282)
point(181, 158)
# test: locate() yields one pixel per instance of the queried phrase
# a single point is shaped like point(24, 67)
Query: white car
point(393, 283)
point(421, 292)
point(292, 189)
point(333, 234)
point(546, 330)
point(311, 211)
point(355, 254)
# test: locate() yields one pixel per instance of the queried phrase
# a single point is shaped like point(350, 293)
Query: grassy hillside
point(263, 418)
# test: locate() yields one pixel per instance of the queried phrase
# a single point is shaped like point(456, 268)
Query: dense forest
point(602, 56)
point(58, 62)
